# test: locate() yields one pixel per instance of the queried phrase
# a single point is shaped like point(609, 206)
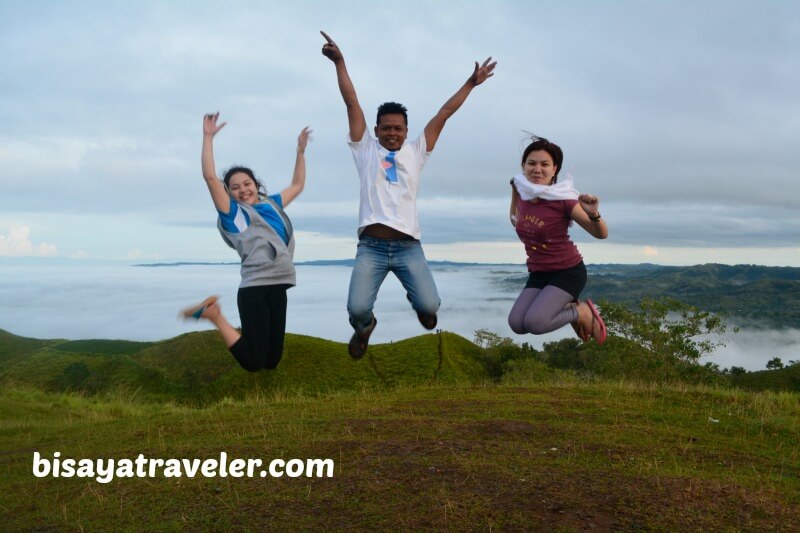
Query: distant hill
point(315, 262)
point(781, 379)
point(197, 367)
point(15, 347)
point(762, 296)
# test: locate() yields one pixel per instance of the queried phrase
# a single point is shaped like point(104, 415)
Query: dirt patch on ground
point(481, 474)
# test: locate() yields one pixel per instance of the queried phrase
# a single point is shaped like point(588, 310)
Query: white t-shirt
point(391, 203)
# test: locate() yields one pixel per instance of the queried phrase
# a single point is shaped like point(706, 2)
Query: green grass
point(558, 455)
point(420, 436)
point(197, 368)
point(782, 379)
point(103, 347)
point(14, 347)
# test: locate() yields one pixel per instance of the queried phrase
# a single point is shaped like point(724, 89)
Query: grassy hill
point(781, 379)
point(14, 347)
point(420, 438)
point(197, 367)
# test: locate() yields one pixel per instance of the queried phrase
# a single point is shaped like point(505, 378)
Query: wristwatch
point(595, 219)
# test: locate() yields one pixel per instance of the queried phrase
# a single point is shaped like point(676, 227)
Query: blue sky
point(682, 117)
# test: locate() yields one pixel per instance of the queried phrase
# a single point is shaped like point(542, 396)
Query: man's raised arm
point(355, 115)
point(479, 75)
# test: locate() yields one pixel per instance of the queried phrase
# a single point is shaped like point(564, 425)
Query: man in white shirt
point(389, 167)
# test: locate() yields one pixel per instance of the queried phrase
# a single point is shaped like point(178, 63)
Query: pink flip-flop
point(579, 332)
point(596, 317)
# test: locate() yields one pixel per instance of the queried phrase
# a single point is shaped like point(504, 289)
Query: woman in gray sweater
point(256, 226)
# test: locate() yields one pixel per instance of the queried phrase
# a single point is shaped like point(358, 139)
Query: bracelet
point(594, 219)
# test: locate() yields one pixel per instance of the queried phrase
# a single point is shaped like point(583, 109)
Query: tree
point(774, 363)
point(497, 351)
point(488, 339)
point(737, 371)
point(564, 353)
point(666, 327)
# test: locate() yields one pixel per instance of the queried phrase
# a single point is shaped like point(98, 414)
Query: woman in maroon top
point(557, 273)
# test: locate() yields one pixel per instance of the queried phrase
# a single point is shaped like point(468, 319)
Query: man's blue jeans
point(375, 258)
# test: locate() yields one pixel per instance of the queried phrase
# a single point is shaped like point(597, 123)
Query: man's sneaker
point(359, 341)
point(427, 320)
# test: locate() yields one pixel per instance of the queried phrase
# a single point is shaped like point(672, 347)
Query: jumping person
point(256, 226)
point(389, 168)
point(542, 211)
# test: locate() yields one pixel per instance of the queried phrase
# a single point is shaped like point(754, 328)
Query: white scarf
point(561, 190)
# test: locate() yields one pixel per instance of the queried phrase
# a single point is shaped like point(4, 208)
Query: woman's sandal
point(196, 311)
point(578, 331)
point(596, 318)
point(576, 325)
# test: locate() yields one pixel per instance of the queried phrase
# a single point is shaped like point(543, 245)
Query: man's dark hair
point(540, 143)
point(392, 108)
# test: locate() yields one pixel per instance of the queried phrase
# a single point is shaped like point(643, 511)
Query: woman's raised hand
point(210, 126)
point(302, 139)
point(589, 203)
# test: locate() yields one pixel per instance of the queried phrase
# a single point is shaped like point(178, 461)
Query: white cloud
point(17, 243)
point(137, 254)
point(649, 251)
point(39, 157)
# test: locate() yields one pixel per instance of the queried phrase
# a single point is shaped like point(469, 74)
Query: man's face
point(391, 131)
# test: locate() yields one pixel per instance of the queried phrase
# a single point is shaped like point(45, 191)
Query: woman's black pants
point(262, 311)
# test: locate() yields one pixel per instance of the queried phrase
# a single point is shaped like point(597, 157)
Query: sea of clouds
point(79, 301)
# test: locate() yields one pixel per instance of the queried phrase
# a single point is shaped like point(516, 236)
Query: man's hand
point(483, 72)
point(330, 49)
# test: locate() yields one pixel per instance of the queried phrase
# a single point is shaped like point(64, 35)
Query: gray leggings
point(540, 311)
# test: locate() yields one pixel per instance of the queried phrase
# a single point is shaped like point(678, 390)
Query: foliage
point(530, 371)
point(666, 326)
point(774, 363)
point(497, 351)
point(565, 353)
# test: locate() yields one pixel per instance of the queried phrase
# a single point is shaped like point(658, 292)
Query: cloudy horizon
point(682, 117)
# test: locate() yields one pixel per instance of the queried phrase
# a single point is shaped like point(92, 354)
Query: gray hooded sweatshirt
point(266, 259)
